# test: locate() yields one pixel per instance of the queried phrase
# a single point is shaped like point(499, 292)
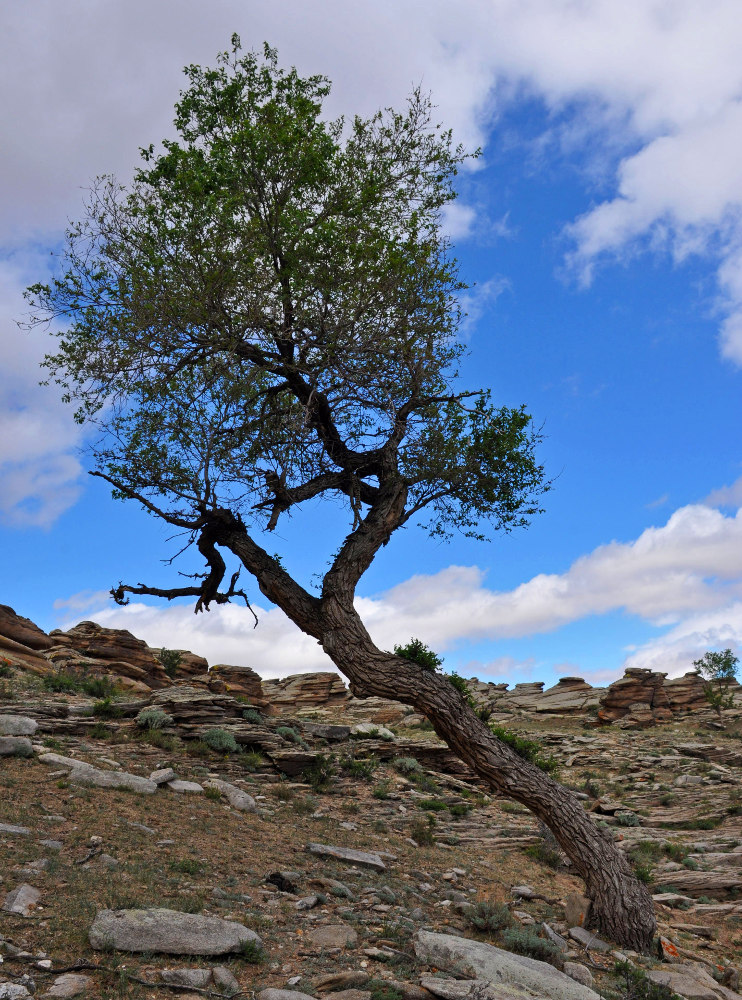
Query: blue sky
point(602, 234)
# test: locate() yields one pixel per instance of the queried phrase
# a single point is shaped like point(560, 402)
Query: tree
point(268, 315)
point(719, 673)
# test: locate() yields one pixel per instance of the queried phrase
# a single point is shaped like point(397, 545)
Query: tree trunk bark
point(622, 906)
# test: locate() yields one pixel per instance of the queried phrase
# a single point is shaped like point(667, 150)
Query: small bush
point(212, 793)
point(668, 800)
point(490, 917)
point(252, 953)
point(321, 772)
point(251, 760)
point(99, 732)
point(634, 985)
point(198, 748)
point(545, 854)
point(106, 709)
point(61, 682)
point(170, 660)
point(153, 718)
point(252, 715)
point(98, 687)
point(187, 866)
point(157, 738)
point(422, 831)
point(417, 652)
point(524, 941)
point(432, 805)
point(382, 990)
point(530, 750)
point(460, 809)
point(627, 819)
point(220, 741)
point(381, 791)
point(6, 669)
point(406, 765)
point(360, 768)
point(675, 851)
point(290, 734)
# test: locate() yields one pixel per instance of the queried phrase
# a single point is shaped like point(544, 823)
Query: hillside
point(140, 780)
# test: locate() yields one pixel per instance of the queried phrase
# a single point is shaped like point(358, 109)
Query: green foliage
point(106, 709)
point(633, 984)
point(460, 809)
point(530, 750)
point(432, 805)
point(422, 831)
point(252, 953)
point(627, 818)
point(187, 866)
point(719, 672)
point(406, 765)
point(359, 768)
point(98, 687)
point(170, 660)
point(489, 917)
point(153, 718)
point(6, 670)
point(252, 715)
point(382, 990)
point(544, 853)
point(321, 772)
point(525, 941)
point(165, 741)
point(212, 793)
point(460, 684)
point(290, 734)
point(259, 205)
point(251, 760)
point(221, 741)
point(382, 789)
point(61, 682)
point(417, 652)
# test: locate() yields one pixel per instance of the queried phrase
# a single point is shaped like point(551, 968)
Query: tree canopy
point(269, 314)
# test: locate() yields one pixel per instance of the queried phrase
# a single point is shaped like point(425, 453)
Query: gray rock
point(68, 985)
point(272, 994)
point(13, 991)
point(15, 746)
point(364, 858)
point(484, 961)
point(236, 797)
point(330, 936)
point(17, 725)
point(163, 775)
point(198, 979)
point(688, 981)
point(580, 973)
point(589, 940)
point(191, 787)
point(19, 831)
point(373, 731)
point(52, 845)
point(472, 989)
point(22, 899)
point(168, 932)
point(93, 777)
point(224, 979)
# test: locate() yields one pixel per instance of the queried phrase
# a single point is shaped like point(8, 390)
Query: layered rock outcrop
point(301, 691)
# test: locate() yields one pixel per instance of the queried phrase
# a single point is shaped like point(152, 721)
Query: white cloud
point(726, 496)
point(685, 574)
point(38, 436)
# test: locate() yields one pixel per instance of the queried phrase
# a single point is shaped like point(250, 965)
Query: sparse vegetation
point(170, 660)
point(489, 917)
point(221, 741)
point(530, 750)
point(153, 718)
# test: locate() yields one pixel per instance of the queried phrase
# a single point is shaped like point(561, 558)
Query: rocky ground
point(186, 841)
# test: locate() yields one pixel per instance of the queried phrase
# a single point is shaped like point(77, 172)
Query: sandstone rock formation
point(301, 691)
point(640, 695)
point(113, 650)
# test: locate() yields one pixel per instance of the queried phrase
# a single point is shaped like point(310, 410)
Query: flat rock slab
point(23, 899)
point(691, 983)
point(18, 831)
point(163, 775)
point(484, 961)
point(273, 994)
point(15, 746)
point(93, 777)
point(330, 936)
point(364, 858)
point(168, 932)
point(236, 797)
point(17, 725)
point(589, 941)
point(188, 787)
point(69, 985)
point(476, 989)
point(13, 991)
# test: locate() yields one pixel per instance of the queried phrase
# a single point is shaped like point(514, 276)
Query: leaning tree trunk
point(622, 907)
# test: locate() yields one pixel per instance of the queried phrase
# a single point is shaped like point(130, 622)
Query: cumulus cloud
point(684, 575)
point(726, 496)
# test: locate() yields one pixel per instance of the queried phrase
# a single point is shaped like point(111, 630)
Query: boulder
point(192, 706)
point(169, 932)
point(112, 650)
point(363, 858)
point(640, 693)
point(23, 900)
point(569, 696)
point(17, 725)
point(22, 630)
point(485, 961)
point(302, 691)
point(236, 797)
point(240, 682)
point(15, 746)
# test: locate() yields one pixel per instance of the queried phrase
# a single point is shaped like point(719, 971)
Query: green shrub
point(106, 709)
point(252, 715)
point(634, 985)
point(290, 734)
point(187, 866)
point(170, 660)
point(360, 768)
point(153, 718)
point(406, 765)
point(61, 682)
point(627, 819)
point(99, 732)
point(422, 831)
point(381, 791)
point(382, 990)
point(212, 793)
point(6, 670)
point(668, 800)
point(432, 805)
point(417, 652)
point(490, 917)
point(221, 741)
point(321, 772)
point(545, 854)
point(98, 687)
point(252, 953)
point(460, 809)
point(530, 750)
point(460, 684)
point(251, 760)
point(525, 941)
point(158, 738)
